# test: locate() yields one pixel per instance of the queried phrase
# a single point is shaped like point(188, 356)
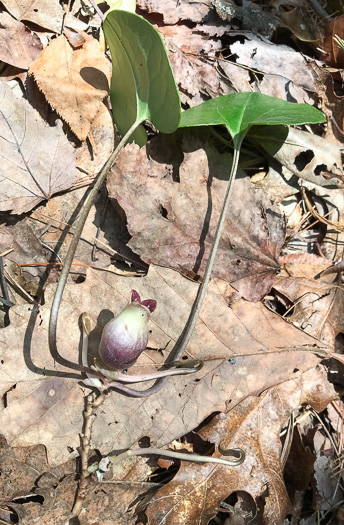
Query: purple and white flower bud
point(125, 337)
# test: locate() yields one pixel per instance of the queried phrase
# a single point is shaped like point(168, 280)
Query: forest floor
point(270, 333)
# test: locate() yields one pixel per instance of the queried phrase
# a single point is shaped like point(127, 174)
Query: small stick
point(337, 226)
point(20, 288)
point(6, 301)
point(6, 252)
point(92, 404)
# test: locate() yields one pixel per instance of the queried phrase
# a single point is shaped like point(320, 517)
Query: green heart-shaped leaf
point(142, 84)
point(241, 110)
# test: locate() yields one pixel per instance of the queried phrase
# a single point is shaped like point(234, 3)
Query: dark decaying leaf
point(18, 46)
point(49, 492)
point(173, 223)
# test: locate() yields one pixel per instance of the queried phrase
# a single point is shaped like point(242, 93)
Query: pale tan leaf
point(318, 307)
point(283, 70)
point(36, 160)
point(306, 265)
point(45, 13)
point(195, 76)
point(73, 80)
point(51, 411)
point(172, 12)
point(308, 156)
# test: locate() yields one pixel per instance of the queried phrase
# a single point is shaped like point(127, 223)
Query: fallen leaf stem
point(237, 452)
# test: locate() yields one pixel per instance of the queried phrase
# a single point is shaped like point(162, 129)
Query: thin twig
point(14, 283)
point(93, 402)
point(6, 252)
point(318, 8)
point(335, 225)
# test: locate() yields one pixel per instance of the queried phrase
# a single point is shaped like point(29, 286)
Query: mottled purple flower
point(125, 337)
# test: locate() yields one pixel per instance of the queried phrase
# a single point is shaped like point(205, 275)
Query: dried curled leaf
point(255, 426)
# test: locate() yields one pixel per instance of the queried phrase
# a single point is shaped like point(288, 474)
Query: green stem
point(70, 255)
point(197, 305)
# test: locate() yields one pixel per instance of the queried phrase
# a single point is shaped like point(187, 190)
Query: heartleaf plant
point(238, 113)
point(142, 88)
